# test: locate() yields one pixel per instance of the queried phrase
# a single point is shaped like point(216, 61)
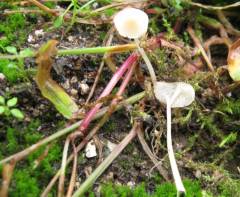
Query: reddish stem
point(116, 77)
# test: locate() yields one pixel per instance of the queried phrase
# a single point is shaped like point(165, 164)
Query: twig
point(118, 5)
point(25, 11)
point(209, 7)
point(104, 165)
point(148, 151)
point(7, 173)
point(230, 29)
point(22, 154)
point(63, 167)
point(214, 40)
point(43, 7)
point(74, 172)
point(199, 45)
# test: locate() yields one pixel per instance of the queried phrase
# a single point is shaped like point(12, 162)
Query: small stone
point(198, 174)
point(70, 38)
point(91, 150)
point(95, 5)
point(131, 184)
point(84, 88)
point(30, 38)
point(66, 85)
point(39, 32)
point(2, 77)
point(73, 92)
point(74, 79)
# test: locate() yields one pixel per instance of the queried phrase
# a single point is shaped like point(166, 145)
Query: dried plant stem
point(43, 7)
point(104, 165)
point(147, 61)
point(148, 151)
point(230, 29)
point(63, 167)
point(200, 47)
point(7, 173)
point(74, 172)
point(209, 7)
point(22, 154)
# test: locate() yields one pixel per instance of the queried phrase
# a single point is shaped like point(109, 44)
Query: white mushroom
point(133, 23)
point(176, 94)
point(184, 92)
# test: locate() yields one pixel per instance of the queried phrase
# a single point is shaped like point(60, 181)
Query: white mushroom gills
point(177, 94)
point(133, 24)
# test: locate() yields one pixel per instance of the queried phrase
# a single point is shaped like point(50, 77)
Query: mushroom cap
point(131, 22)
point(164, 91)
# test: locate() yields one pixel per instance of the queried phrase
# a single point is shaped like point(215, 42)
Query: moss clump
point(24, 184)
point(13, 28)
point(193, 189)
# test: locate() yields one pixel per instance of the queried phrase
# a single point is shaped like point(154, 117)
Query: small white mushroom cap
point(164, 91)
point(131, 22)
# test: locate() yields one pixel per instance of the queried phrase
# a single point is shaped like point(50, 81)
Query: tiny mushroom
point(133, 24)
point(184, 92)
point(177, 94)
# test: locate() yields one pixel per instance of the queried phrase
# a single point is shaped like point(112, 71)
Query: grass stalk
point(80, 51)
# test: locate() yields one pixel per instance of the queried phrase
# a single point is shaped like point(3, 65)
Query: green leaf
point(58, 22)
point(11, 50)
point(2, 100)
point(12, 102)
point(2, 109)
point(27, 52)
point(17, 113)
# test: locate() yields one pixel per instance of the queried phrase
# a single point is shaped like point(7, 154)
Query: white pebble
point(90, 150)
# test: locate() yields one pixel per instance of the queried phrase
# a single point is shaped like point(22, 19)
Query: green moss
point(24, 184)
point(110, 126)
point(11, 70)
point(193, 189)
point(230, 187)
point(13, 29)
point(11, 140)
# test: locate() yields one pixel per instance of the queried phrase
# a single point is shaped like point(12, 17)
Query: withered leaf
point(234, 61)
point(49, 88)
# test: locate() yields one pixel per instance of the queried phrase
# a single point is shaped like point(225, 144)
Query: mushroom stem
point(147, 61)
point(173, 163)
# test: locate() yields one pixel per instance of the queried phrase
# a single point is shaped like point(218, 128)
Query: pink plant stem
point(116, 77)
point(123, 85)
